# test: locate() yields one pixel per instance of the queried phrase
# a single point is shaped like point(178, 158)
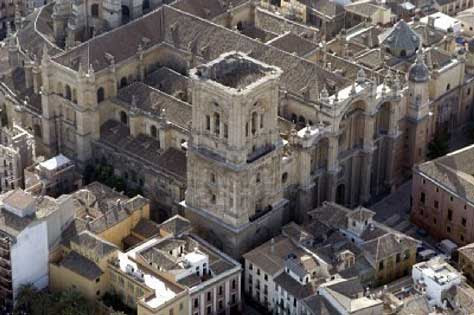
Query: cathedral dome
point(419, 72)
point(401, 41)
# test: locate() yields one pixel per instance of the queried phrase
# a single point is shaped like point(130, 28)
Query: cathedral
point(231, 114)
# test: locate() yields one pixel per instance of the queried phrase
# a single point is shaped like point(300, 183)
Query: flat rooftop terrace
point(235, 70)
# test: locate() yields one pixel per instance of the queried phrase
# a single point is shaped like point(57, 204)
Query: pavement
point(394, 211)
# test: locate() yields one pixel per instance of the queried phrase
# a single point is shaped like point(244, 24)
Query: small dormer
point(359, 220)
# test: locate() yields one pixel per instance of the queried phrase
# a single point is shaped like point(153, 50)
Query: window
point(436, 204)
point(261, 121)
point(153, 131)
point(434, 221)
point(123, 118)
point(100, 94)
point(250, 267)
point(284, 177)
point(213, 199)
point(217, 123)
point(208, 123)
point(258, 271)
point(247, 129)
point(196, 302)
point(397, 259)
point(171, 311)
point(233, 284)
point(450, 214)
point(381, 265)
point(95, 10)
point(68, 94)
point(265, 277)
point(226, 131)
point(463, 221)
point(220, 290)
point(462, 238)
point(213, 178)
point(254, 123)
point(208, 296)
point(181, 306)
point(209, 310)
point(448, 229)
point(422, 198)
point(258, 178)
point(448, 87)
point(451, 198)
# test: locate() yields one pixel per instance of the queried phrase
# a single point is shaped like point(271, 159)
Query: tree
point(24, 300)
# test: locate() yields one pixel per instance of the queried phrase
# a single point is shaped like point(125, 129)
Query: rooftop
point(235, 70)
point(55, 163)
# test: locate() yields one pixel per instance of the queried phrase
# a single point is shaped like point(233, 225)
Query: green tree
point(24, 300)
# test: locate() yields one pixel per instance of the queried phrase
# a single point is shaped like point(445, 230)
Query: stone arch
point(123, 117)
point(100, 94)
point(68, 92)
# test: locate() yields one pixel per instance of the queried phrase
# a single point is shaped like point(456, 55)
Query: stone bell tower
point(418, 109)
point(234, 191)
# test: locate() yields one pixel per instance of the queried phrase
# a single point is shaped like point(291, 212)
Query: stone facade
point(345, 124)
point(17, 149)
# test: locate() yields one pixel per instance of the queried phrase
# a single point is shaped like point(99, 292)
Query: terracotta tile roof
point(293, 43)
point(146, 228)
point(81, 265)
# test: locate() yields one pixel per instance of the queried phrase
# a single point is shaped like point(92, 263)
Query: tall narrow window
point(254, 122)
point(153, 131)
point(208, 122)
point(226, 131)
point(217, 122)
point(247, 129)
point(261, 121)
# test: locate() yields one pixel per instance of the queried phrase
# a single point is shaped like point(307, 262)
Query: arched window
point(95, 10)
point(403, 53)
point(254, 122)
point(213, 178)
point(153, 131)
point(284, 177)
point(123, 82)
point(125, 14)
point(100, 95)
point(123, 118)
point(448, 87)
point(68, 94)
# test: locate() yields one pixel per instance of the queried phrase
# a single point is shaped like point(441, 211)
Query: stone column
point(393, 136)
point(367, 157)
point(333, 167)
